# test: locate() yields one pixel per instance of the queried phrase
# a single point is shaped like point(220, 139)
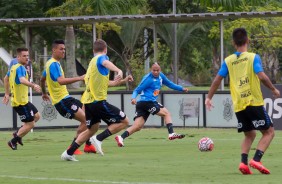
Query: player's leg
point(263, 144)
point(163, 112)
point(137, 126)
point(93, 121)
point(68, 155)
point(25, 129)
point(267, 137)
point(15, 134)
point(80, 116)
point(245, 125)
point(141, 115)
point(249, 138)
point(36, 116)
point(117, 127)
point(116, 121)
point(28, 114)
point(261, 121)
point(27, 126)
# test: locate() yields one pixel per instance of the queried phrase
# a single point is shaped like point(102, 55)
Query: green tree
point(12, 36)
point(184, 34)
point(90, 7)
point(229, 5)
point(265, 37)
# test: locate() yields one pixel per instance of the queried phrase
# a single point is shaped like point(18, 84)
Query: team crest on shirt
point(74, 107)
point(121, 114)
point(227, 111)
point(49, 111)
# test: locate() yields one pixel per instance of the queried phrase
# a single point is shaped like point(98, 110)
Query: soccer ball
point(205, 144)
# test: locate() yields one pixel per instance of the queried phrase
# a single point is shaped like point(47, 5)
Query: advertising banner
point(273, 106)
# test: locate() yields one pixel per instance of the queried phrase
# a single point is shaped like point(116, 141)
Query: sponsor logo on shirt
point(246, 93)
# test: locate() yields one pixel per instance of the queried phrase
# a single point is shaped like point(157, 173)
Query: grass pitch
point(147, 158)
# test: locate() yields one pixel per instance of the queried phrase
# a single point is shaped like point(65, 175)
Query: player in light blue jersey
point(149, 89)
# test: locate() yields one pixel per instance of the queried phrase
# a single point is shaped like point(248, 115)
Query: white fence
point(222, 115)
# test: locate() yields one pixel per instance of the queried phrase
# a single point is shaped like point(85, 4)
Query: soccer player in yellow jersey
point(17, 77)
point(66, 105)
point(95, 100)
point(245, 73)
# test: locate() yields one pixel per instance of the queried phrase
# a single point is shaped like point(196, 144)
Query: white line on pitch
point(76, 180)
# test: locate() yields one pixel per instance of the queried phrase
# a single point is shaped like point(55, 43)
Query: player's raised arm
point(109, 65)
point(117, 82)
point(172, 85)
point(64, 81)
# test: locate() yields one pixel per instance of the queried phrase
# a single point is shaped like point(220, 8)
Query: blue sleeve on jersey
point(8, 73)
point(143, 85)
point(21, 72)
point(103, 70)
point(55, 71)
point(170, 84)
point(44, 73)
point(13, 62)
point(223, 71)
point(257, 64)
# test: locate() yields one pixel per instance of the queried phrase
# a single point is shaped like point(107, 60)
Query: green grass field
point(147, 158)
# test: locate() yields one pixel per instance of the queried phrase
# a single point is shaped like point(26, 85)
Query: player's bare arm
point(35, 87)
point(214, 86)
point(7, 90)
point(117, 82)
point(133, 101)
point(185, 90)
point(109, 65)
point(64, 81)
point(266, 81)
point(45, 96)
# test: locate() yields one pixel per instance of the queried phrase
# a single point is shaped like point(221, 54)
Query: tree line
point(198, 43)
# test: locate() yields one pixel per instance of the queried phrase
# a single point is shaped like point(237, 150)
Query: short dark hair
point(240, 36)
point(99, 45)
point(19, 50)
point(57, 42)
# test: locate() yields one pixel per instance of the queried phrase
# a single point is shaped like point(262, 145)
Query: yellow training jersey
point(19, 91)
point(96, 81)
point(57, 92)
point(244, 83)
